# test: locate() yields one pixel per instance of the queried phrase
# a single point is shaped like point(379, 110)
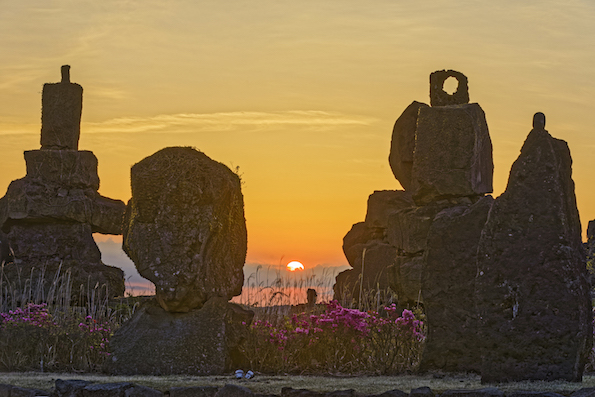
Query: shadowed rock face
point(50, 214)
point(453, 154)
point(185, 228)
point(201, 342)
point(439, 97)
point(448, 285)
point(402, 144)
point(531, 289)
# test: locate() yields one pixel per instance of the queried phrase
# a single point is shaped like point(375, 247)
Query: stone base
point(200, 342)
point(66, 168)
point(40, 250)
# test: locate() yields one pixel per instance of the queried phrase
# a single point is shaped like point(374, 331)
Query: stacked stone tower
point(49, 216)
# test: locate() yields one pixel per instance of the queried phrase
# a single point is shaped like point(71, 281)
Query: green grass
point(273, 384)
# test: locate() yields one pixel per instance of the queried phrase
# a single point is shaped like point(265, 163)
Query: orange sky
point(302, 96)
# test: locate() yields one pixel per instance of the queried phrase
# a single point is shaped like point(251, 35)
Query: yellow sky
point(301, 95)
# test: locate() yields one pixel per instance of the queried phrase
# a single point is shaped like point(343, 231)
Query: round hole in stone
point(450, 85)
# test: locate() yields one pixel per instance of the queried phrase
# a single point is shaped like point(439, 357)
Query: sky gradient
point(301, 96)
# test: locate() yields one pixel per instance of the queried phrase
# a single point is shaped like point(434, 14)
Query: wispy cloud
point(231, 121)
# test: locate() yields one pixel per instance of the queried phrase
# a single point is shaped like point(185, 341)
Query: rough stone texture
point(193, 391)
point(357, 239)
point(200, 342)
point(64, 168)
point(377, 258)
point(230, 390)
point(531, 289)
point(290, 392)
point(69, 388)
point(423, 391)
point(448, 285)
point(45, 250)
point(383, 203)
point(185, 228)
point(61, 109)
point(453, 154)
point(106, 389)
point(402, 144)
point(590, 251)
point(142, 391)
point(408, 228)
point(487, 392)
point(404, 278)
point(531, 393)
point(439, 97)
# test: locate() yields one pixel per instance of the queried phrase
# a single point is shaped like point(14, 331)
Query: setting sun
point(294, 265)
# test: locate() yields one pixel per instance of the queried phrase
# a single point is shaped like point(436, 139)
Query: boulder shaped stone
point(448, 287)
point(61, 109)
point(201, 342)
point(185, 228)
point(531, 289)
point(453, 154)
point(382, 203)
point(402, 144)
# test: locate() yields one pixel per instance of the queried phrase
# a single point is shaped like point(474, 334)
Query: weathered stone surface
point(142, 391)
point(230, 390)
point(532, 393)
point(402, 144)
point(200, 342)
point(377, 256)
point(423, 391)
point(193, 391)
point(65, 168)
point(590, 251)
point(69, 387)
point(448, 287)
point(584, 392)
point(38, 202)
point(106, 389)
point(44, 250)
point(61, 109)
point(185, 228)
point(439, 97)
point(408, 229)
point(357, 239)
point(453, 154)
point(531, 289)
point(290, 392)
point(26, 392)
point(404, 278)
point(383, 203)
point(487, 392)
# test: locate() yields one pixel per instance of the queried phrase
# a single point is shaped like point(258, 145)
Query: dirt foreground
point(272, 384)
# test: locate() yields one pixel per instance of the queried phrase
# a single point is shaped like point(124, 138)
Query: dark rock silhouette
point(62, 106)
point(531, 290)
point(402, 144)
point(200, 342)
point(439, 97)
point(453, 154)
point(590, 251)
point(448, 285)
point(50, 214)
point(185, 228)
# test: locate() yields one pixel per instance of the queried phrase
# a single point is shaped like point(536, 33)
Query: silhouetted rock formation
point(50, 214)
point(439, 97)
point(402, 144)
point(532, 292)
point(185, 228)
point(448, 285)
point(453, 154)
point(200, 342)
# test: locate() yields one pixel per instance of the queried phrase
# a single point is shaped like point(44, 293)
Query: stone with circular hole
point(439, 97)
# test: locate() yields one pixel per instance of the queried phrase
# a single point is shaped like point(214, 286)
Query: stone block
point(448, 287)
point(439, 97)
point(383, 203)
point(408, 229)
point(61, 109)
point(402, 144)
point(199, 342)
point(453, 154)
point(404, 278)
point(193, 391)
point(64, 168)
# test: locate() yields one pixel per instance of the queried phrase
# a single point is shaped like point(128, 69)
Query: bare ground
point(272, 384)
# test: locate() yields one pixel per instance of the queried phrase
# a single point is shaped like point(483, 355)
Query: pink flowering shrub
point(31, 338)
point(338, 340)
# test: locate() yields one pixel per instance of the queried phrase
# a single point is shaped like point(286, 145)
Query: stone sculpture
point(50, 214)
point(185, 231)
point(185, 228)
point(531, 290)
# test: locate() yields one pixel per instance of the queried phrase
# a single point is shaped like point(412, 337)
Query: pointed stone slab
point(531, 288)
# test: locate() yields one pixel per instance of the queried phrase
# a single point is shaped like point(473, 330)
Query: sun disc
point(294, 265)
